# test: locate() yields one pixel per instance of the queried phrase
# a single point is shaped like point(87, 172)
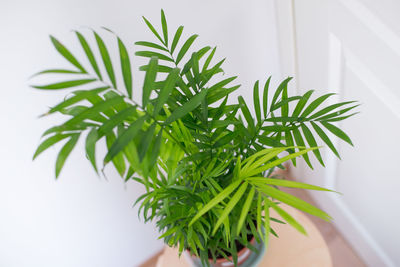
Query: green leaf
point(311, 141)
point(195, 66)
point(225, 139)
point(192, 81)
point(164, 28)
point(90, 147)
point(208, 74)
point(234, 253)
point(217, 199)
point(325, 138)
point(64, 153)
point(287, 217)
point(75, 110)
point(201, 52)
point(94, 111)
point(145, 142)
point(245, 209)
point(208, 60)
point(229, 117)
point(64, 85)
point(290, 143)
point(223, 123)
point(284, 103)
point(276, 162)
point(153, 54)
point(329, 108)
point(176, 38)
point(166, 90)
point(151, 45)
point(160, 68)
point(62, 128)
point(118, 160)
point(285, 119)
point(269, 141)
point(181, 245)
point(204, 112)
point(313, 105)
point(300, 142)
point(129, 174)
point(156, 149)
point(246, 113)
point(336, 131)
point(153, 30)
point(169, 232)
point(336, 113)
point(265, 97)
point(149, 80)
point(89, 54)
point(267, 227)
point(192, 245)
point(302, 102)
point(197, 242)
point(286, 183)
point(125, 67)
point(123, 140)
point(279, 90)
point(106, 59)
point(49, 142)
point(80, 125)
point(256, 100)
point(187, 107)
point(66, 54)
point(277, 128)
point(115, 120)
point(291, 200)
point(219, 111)
point(231, 204)
point(259, 206)
point(185, 47)
point(221, 93)
point(256, 161)
point(340, 118)
point(57, 71)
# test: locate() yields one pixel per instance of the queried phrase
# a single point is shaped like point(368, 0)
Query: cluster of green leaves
point(206, 164)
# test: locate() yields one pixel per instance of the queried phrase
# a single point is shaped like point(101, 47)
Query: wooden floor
point(341, 252)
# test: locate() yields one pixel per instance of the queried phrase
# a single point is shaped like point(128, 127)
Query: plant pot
point(246, 257)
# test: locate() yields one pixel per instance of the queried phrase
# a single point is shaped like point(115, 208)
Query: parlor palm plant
point(205, 163)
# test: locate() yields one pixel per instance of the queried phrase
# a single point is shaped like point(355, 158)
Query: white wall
point(81, 220)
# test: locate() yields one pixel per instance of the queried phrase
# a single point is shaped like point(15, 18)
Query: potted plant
point(206, 163)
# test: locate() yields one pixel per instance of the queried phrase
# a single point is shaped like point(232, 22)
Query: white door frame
point(348, 224)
